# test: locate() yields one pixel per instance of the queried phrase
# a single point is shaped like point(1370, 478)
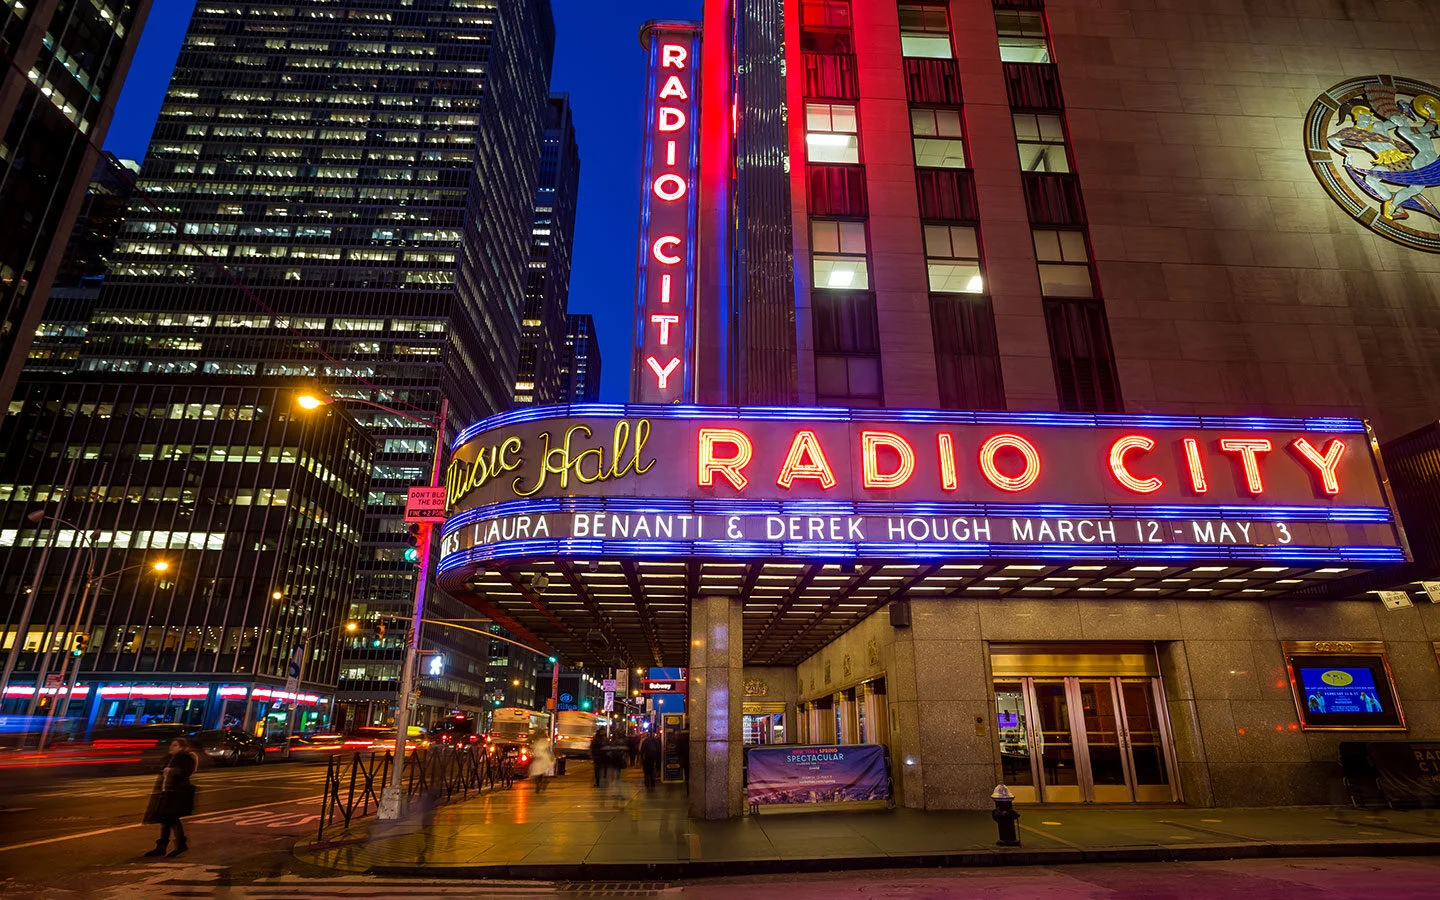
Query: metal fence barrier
point(353, 784)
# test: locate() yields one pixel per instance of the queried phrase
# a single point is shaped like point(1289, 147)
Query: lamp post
point(351, 627)
point(392, 798)
point(85, 612)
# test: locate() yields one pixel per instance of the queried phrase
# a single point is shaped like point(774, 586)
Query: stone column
point(715, 693)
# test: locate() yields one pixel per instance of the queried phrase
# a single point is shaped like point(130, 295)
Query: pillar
point(716, 690)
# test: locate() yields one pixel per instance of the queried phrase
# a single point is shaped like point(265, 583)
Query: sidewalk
point(576, 831)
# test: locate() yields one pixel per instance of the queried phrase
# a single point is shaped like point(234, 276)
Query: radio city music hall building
point(1009, 389)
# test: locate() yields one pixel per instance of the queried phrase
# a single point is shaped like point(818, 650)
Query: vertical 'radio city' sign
point(664, 310)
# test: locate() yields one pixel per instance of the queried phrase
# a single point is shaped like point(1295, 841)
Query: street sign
point(607, 685)
point(1395, 599)
point(622, 681)
point(662, 687)
point(53, 681)
point(425, 504)
point(609, 701)
point(1432, 590)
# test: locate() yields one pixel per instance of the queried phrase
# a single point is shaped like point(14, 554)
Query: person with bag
point(173, 797)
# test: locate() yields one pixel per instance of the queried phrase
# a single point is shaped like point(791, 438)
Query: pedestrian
point(173, 797)
point(682, 749)
point(597, 754)
point(615, 755)
point(542, 759)
point(632, 744)
point(650, 759)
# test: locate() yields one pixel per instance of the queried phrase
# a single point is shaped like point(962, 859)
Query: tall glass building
point(366, 174)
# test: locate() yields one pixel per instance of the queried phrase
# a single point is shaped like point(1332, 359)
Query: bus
point(574, 729)
point(511, 726)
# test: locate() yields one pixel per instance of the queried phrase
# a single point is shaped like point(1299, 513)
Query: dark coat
point(650, 750)
point(174, 795)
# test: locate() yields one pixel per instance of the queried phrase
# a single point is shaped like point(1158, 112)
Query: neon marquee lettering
point(1247, 450)
point(1195, 466)
point(588, 466)
point(732, 467)
point(1324, 463)
point(1031, 457)
point(806, 460)
point(871, 442)
point(1127, 480)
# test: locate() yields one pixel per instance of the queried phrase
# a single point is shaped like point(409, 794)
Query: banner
point(1407, 771)
point(780, 775)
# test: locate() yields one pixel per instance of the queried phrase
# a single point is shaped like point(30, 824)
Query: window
point(1063, 262)
point(924, 31)
point(952, 256)
point(1022, 36)
point(831, 133)
point(939, 138)
point(1041, 142)
point(825, 13)
point(838, 250)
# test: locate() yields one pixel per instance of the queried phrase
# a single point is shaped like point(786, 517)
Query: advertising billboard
point(844, 774)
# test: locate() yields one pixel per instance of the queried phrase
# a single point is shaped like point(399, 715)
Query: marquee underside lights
point(664, 317)
point(686, 481)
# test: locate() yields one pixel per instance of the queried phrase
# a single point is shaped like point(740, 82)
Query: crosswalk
point(131, 788)
point(174, 880)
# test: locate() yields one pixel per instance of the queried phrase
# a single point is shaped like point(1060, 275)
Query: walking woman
point(174, 797)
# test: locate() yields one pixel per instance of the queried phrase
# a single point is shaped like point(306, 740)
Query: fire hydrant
point(1005, 817)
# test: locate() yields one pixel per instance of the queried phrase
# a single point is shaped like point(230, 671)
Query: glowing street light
point(309, 401)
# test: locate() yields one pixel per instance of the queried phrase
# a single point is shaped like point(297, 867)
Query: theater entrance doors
point(1083, 739)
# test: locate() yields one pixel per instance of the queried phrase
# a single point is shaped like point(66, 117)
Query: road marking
point(71, 837)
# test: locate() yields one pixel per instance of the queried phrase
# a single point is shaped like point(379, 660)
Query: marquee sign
point(664, 315)
point(590, 480)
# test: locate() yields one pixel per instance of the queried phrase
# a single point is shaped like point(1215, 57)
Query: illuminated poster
point(846, 774)
point(1342, 686)
point(1339, 690)
point(662, 370)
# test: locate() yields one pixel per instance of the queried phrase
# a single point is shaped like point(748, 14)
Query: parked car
point(229, 746)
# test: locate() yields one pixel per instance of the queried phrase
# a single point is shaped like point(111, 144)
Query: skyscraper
point(547, 287)
point(580, 361)
point(61, 66)
point(366, 174)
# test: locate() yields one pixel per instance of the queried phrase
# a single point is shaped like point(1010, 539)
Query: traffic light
point(584, 704)
point(81, 642)
point(412, 537)
point(379, 625)
point(553, 660)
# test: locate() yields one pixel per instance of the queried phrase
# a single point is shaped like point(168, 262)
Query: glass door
point(1056, 740)
point(1013, 724)
point(1147, 740)
point(1106, 769)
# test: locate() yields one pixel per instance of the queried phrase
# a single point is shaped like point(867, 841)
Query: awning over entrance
point(591, 527)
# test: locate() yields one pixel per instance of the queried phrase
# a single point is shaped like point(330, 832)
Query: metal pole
point(54, 626)
point(22, 630)
point(392, 798)
point(56, 708)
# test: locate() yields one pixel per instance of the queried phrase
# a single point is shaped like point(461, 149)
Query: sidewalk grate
point(615, 888)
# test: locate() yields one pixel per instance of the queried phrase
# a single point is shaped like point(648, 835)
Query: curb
point(677, 871)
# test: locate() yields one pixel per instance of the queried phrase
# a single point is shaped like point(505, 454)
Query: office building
point(580, 366)
point(547, 285)
point(255, 508)
point(61, 68)
point(366, 176)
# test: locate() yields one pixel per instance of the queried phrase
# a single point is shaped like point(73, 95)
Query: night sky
point(598, 60)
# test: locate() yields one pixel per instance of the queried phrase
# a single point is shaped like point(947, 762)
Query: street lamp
point(392, 798)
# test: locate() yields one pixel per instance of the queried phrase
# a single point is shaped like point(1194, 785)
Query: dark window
point(1032, 86)
point(932, 80)
point(1053, 199)
point(1084, 361)
point(848, 380)
point(845, 322)
point(830, 75)
point(947, 194)
point(825, 13)
point(837, 191)
point(967, 354)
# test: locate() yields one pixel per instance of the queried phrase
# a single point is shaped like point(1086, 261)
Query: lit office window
point(939, 138)
point(839, 255)
point(1063, 263)
point(1040, 138)
point(1022, 36)
point(924, 31)
point(952, 258)
point(831, 133)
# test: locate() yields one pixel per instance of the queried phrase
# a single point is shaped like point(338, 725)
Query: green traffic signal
point(553, 660)
point(584, 704)
point(412, 554)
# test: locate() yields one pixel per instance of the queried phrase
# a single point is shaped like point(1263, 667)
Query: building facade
point(580, 360)
point(255, 508)
point(345, 195)
point(62, 70)
point(547, 286)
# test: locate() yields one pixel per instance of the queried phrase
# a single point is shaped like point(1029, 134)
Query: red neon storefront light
point(806, 459)
point(1325, 463)
point(731, 467)
point(945, 443)
point(1248, 449)
point(1195, 465)
point(1028, 475)
point(1129, 481)
point(871, 443)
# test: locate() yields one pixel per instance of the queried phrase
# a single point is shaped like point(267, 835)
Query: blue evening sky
point(598, 60)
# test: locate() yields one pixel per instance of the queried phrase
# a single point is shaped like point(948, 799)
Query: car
point(228, 746)
point(378, 739)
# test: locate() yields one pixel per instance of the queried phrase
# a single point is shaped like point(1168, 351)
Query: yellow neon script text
point(461, 478)
point(563, 462)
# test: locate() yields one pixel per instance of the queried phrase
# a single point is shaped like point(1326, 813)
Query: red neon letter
point(729, 466)
point(658, 251)
point(870, 444)
point(671, 119)
point(1325, 463)
point(806, 460)
point(673, 88)
point(948, 479)
point(669, 186)
point(663, 374)
point(672, 56)
point(1197, 469)
point(664, 288)
point(1117, 464)
point(1247, 448)
point(1004, 482)
point(664, 322)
